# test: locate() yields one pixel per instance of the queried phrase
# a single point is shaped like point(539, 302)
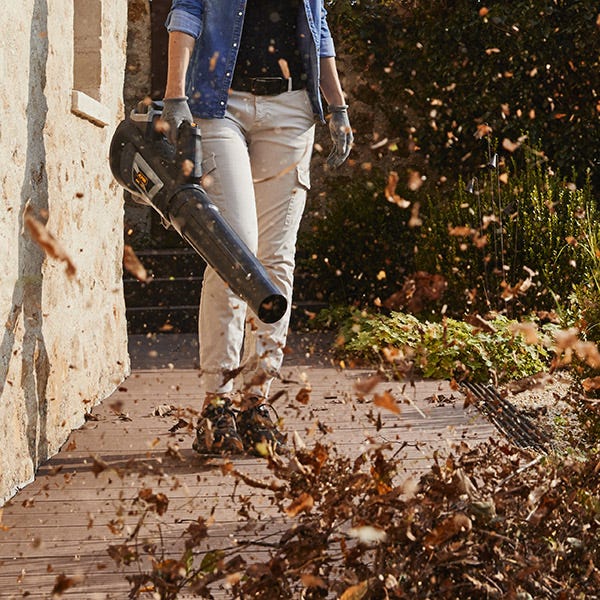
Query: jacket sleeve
point(327, 47)
point(185, 16)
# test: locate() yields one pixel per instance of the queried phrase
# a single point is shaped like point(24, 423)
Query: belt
point(268, 86)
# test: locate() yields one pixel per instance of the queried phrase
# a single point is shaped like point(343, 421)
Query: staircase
point(169, 303)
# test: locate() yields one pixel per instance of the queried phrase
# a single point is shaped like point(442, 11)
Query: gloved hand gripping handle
point(168, 179)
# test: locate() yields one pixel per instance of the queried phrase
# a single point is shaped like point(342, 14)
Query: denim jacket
point(217, 27)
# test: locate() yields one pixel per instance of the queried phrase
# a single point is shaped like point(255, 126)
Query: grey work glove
point(175, 112)
point(341, 134)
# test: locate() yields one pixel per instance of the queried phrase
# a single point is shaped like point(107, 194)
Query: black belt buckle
point(269, 86)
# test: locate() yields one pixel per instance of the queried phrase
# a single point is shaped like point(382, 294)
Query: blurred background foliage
point(437, 70)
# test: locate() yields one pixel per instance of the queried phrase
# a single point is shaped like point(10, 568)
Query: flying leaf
point(303, 395)
point(364, 386)
point(415, 181)
point(588, 352)
point(212, 65)
point(367, 534)
point(415, 220)
point(591, 383)
point(387, 401)
point(509, 145)
point(159, 502)
point(528, 330)
point(390, 191)
point(313, 581)
point(134, 266)
point(356, 592)
point(482, 130)
point(47, 242)
point(62, 583)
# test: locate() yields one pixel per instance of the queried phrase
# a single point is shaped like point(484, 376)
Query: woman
point(250, 74)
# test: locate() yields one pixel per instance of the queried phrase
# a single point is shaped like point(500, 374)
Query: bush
point(445, 350)
point(518, 247)
point(520, 242)
point(351, 242)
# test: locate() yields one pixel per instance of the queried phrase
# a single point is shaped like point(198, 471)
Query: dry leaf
point(588, 352)
point(47, 242)
point(159, 501)
point(414, 181)
point(390, 191)
point(591, 383)
point(356, 592)
point(309, 580)
point(212, 65)
point(510, 146)
point(459, 231)
point(303, 503)
point(415, 220)
point(62, 583)
point(132, 264)
point(98, 465)
point(187, 167)
point(447, 529)
point(303, 396)
point(2, 527)
point(367, 534)
point(480, 323)
point(285, 69)
point(387, 401)
point(367, 385)
point(482, 130)
point(528, 330)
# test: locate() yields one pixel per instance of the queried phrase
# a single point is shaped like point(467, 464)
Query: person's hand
point(175, 112)
point(341, 134)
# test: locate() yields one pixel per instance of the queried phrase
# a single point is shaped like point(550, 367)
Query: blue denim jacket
point(217, 27)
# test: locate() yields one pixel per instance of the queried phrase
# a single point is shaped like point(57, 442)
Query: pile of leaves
point(484, 522)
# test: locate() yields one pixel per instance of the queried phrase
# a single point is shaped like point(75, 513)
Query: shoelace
point(263, 409)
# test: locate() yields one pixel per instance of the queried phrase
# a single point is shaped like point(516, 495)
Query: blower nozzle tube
point(198, 222)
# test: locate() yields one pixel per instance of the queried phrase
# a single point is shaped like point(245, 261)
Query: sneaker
point(216, 432)
point(259, 432)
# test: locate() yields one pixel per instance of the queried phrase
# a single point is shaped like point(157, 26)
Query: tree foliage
point(437, 70)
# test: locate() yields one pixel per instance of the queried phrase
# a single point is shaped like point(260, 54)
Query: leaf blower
point(167, 178)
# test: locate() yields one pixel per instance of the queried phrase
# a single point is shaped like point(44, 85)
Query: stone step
point(166, 263)
point(162, 292)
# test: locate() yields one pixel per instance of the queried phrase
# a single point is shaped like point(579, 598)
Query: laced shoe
point(217, 432)
point(258, 431)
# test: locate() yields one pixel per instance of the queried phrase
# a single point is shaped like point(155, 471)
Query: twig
point(520, 470)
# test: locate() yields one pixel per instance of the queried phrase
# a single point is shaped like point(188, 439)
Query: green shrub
point(444, 350)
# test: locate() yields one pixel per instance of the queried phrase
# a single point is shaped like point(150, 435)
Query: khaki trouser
point(256, 170)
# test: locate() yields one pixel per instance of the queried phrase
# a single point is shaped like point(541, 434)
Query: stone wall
point(64, 340)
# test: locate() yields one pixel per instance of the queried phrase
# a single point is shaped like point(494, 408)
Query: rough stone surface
point(64, 340)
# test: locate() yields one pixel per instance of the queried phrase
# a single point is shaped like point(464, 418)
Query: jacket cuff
point(180, 20)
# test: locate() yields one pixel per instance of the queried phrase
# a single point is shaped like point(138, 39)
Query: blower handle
point(188, 153)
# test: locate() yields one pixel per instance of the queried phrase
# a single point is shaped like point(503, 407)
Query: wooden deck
point(83, 499)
